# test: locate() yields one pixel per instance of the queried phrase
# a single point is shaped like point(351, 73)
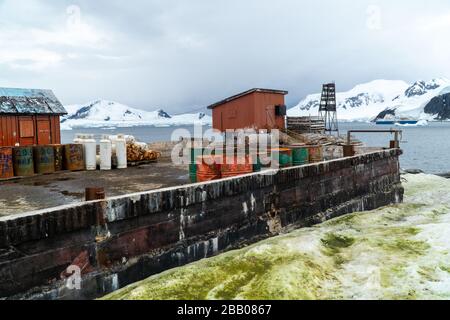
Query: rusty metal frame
point(397, 133)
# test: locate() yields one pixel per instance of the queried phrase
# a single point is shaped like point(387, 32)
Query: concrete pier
point(125, 239)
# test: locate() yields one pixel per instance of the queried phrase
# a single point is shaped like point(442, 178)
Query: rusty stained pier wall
point(122, 240)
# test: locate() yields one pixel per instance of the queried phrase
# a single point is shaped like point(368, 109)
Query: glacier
point(383, 99)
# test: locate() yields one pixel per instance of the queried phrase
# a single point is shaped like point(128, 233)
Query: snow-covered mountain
point(102, 113)
point(386, 99)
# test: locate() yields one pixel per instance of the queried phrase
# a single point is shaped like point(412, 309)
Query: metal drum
point(195, 153)
point(44, 159)
point(315, 154)
point(58, 149)
point(6, 163)
point(256, 162)
point(73, 157)
point(300, 155)
point(23, 161)
point(236, 166)
point(264, 160)
point(208, 169)
point(284, 156)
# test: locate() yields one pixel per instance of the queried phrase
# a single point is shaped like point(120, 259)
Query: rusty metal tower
point(328, 108)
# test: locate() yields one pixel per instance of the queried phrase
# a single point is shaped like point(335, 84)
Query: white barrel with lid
point(78, 139)
point(105, 153)
point(121, 151)
point(90, 152)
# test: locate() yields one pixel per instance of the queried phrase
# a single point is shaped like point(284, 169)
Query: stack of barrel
point(212, 167)
point(27, 161)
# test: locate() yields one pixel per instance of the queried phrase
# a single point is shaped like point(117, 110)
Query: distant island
point(107, 114)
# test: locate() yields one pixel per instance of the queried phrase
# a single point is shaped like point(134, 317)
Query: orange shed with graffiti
point(256, 108)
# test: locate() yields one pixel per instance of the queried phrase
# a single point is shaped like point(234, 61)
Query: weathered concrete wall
point(125, 239)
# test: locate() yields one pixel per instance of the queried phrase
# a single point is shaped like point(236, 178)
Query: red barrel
point(236, 166)
point(6, 163)
point(208, 168)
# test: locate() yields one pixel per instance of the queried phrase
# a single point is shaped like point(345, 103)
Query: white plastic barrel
point(105, 153)
point(121, 151)
point(90, 152)
point(78, 139)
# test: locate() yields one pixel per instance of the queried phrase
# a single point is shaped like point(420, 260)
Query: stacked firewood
point(140, 152)
point(311, 139)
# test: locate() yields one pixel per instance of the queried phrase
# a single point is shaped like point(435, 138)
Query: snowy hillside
point(101, 113)
point(381, 99)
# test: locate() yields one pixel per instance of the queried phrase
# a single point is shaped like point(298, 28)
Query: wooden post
point(394, 144)
point(349, 150)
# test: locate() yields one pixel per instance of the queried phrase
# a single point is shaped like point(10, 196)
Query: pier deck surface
point(47, 191)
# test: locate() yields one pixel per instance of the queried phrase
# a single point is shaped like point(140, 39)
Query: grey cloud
point(181, 55)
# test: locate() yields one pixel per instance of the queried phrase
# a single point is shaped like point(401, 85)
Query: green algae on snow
point(397, 252)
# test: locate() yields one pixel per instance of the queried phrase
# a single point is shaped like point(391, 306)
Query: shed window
point(26, 128)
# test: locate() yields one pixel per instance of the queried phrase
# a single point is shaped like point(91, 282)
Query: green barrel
point(44, 159)
point(300, 156)
point(195, 153)
point(23, 161)
point(257, 167)
point(284, 157)
point(264, 160)
point(257, 164)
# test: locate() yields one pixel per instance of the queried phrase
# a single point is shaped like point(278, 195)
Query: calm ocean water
point(426, 148)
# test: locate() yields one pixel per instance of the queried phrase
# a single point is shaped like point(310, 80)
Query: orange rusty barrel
point(236, 166)
point(74, 157)
point(6, 163)
point(59, 156)
point(44, 159)
point(315, 153)
point(208, 168)
point(23, 161)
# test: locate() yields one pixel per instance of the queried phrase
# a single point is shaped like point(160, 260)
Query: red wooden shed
point(29, 117)
point(256, 108)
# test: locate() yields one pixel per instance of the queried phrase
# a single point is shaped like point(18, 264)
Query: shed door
point(44, 132)
point(270, 114)
point(26, 131)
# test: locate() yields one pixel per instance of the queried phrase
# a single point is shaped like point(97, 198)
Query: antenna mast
point(328, 108)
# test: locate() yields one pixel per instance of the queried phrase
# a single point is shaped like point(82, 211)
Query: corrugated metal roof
point(29, 101)
point(237, 96)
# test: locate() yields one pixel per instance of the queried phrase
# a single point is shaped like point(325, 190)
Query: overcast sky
point(183, 55)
